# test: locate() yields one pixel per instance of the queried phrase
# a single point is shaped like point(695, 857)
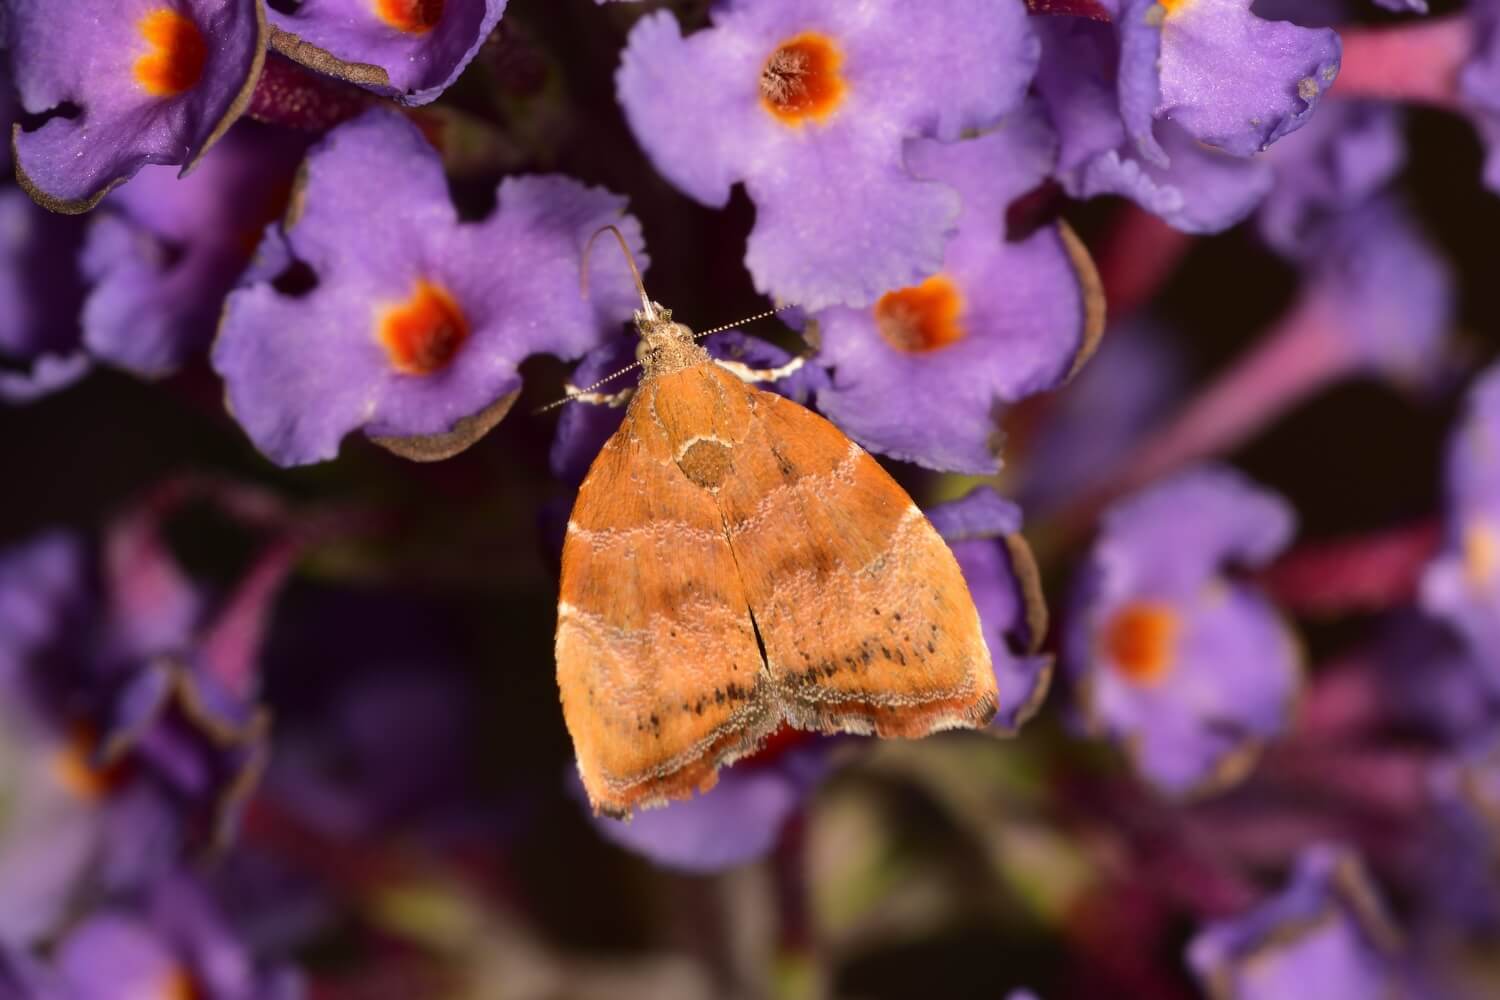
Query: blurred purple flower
point(1191, 187)
point(1463, 836)
point(1479, 83)
point(809, 103)
point(70, 819)
point(384, 752)
point(921, 374)
point(174, 943)
point(162, 253)
point(416, 322)
point(411, 50)
point(125, 84)
point(1191, 670)
point(40, 288)
point(1326, 935)
point(738, 820)
point(1126, 388)
point(1462, 586)
point(1350, 151)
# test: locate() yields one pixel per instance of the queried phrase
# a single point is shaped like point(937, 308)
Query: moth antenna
point(749, 319)
point(647, 308)
point(573, 393)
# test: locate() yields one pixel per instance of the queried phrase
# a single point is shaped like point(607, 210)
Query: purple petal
point(162, 253)
point(1020, 329)
point(303, 370)
point(86, 54)
point(1326, 934)
point(738, 820)
point(839, 217)
point(386, 45)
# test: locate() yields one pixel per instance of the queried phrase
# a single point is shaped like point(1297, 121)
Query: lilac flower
point(1459, 880)
point(1479, 84)
point(174, 943)
point(809, 104)
point(1191, 187)
point(162, 252)
point(1462, 586)
point(1341, 159)
point(416, 322)
point(1126, 388)
point(1225, 76)
point(40, 288)
point(125, 84)
point(920, 375)
point(738, 820)
point(1190, 669)
point(411, 50)
point(1326, 935)
point(742, 816)
point(71, 820)
point(984, 531)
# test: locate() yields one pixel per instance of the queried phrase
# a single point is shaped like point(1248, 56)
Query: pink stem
point(230, 647)
point(1370, 573)
point(1306, 352)
point(1342, 703)
point(1417, 62)
point(1137, 256)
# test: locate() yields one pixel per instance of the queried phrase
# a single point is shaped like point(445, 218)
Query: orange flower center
point(1140, 641)
point(801, 79)
point(178, 53)
point(921, 318)
point(422, 334)
point(179, 984)
point(1172, 5)
point(1481, 549)
point(415, 17)
point(74, 767)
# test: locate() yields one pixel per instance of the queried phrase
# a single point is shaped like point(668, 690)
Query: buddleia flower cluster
point(1174, 316)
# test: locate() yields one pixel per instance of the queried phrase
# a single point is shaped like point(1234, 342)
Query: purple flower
point(125, 83)
point(809, 103)
point(40, 288)
point(1190, 669)
point(411, 50)
point(70, 820)
point(1225, 76)
point(738, 820)
point(1341, 159)
point(1191, 187)
point(162, 253)
point(984, 531)
point(1381, 284)
point(920, 375)
point(415, 322)
point(1462, 586)
point(1127, 387)
point(1462, 854)
point(1479, 84)
point(1326, 935)
point(173, 943)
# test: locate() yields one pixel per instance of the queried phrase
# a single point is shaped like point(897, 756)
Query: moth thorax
point(666, 346)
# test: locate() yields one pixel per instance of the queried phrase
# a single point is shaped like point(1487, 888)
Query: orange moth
point(734, 563)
